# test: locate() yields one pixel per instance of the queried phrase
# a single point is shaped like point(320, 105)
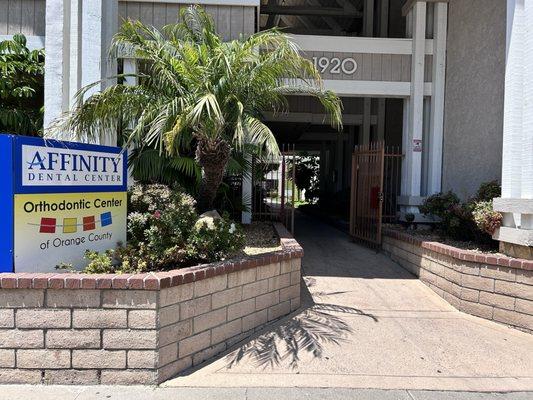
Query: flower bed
point(490, 286)
point(139, 328)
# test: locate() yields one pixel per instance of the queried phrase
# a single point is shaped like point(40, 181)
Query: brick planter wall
point(494, 287)
point(139, 329)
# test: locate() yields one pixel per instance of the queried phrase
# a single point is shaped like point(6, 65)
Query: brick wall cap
point(152, 280)
point(460, 254)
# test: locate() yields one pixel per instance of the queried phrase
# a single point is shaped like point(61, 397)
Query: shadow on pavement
point(314, 325)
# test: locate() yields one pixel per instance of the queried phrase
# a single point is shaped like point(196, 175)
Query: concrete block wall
point(142, 328)
point(493, 287)
point(198, 320)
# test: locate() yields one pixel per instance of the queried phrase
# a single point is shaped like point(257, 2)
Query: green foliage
point(200, 94)
point(164, 233)
point(439, 204)
point(473, 220)
point(215, 241)
point(487, 220)
point(21, 87)
point(306, 176)
point(488, 191)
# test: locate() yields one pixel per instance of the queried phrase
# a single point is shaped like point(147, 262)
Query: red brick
point(120, 281)
point(25, 280)
point(136, 281)
point(56, 282)
point(104, 281)
point(8, 281)
point(151, 283)
point(72, 281)
point(88, 282)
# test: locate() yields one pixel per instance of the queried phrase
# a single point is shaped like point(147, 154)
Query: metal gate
point(376, 178)
point(367, 193)
point(274, 191)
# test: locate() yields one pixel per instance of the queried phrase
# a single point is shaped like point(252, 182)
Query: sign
point(335, 65)
point(417, 145)
point(61, 199)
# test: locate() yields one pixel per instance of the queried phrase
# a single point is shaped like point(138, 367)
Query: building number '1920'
point(335, 65)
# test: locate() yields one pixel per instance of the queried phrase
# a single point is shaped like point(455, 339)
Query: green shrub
point(488, 191)
point(21, 87)
point(216, 241)
point(487, 220)
point(474, 220)
point(164, 233)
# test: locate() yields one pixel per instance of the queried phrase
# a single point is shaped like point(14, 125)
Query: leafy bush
point(487, 220)
point(473, 220)
point(488, 191)
point(164, 233)
point(440, 204)
point(21, 87)
point(214, 241)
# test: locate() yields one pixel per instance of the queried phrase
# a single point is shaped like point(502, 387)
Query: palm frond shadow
point(307, 332)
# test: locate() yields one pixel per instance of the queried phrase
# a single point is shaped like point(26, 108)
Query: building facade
point(428, 76)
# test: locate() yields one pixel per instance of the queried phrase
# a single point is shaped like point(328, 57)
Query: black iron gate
point(273, 187)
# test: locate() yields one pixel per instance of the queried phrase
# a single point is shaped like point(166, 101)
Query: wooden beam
point(306, 10)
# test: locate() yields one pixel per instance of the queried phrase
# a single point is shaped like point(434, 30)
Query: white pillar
point(56, 81)
point(413, 157)
point(437, 100)
point(78, 35)
point(414, 114)
point(516, 203)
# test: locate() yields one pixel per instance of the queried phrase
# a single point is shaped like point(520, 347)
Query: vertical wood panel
point(396, 68)
point(358, 75)
point(237, 21)
point(39, 17)
point(386, 67)
point(28, 17)
point(133, 11)
point(14, 17)
point(122, 12)
point(224, 22)
point(147, 13)
point(160, 15)
point(406, 68)
point(367, 67)
point(249, 21)
point(172, 13)
point(4, 11)
point(212, 11)
point(376, 67)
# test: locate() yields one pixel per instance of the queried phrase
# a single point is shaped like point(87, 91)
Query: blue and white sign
point(59, 200)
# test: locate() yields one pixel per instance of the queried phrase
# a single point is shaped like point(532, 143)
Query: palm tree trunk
point(213, 156)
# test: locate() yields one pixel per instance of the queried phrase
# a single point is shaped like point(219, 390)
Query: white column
point(414, 113)
point(57, 27)
point(516, 203)
point(413, 159)
point(78, 35)
point(437, 100)
point(99, 24)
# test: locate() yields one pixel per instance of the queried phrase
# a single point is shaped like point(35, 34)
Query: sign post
point(59, 199)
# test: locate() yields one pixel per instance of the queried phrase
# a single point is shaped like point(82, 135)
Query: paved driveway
point(367, 323)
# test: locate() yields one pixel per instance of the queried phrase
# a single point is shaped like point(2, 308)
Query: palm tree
point(201, 92)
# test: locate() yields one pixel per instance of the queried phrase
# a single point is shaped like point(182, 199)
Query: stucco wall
point(474, 94)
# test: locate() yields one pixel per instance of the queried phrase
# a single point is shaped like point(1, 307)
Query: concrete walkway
point(367, 323)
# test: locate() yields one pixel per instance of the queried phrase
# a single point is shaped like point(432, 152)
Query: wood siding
point(231, 21)
point(22, 16)
point(374, 67)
